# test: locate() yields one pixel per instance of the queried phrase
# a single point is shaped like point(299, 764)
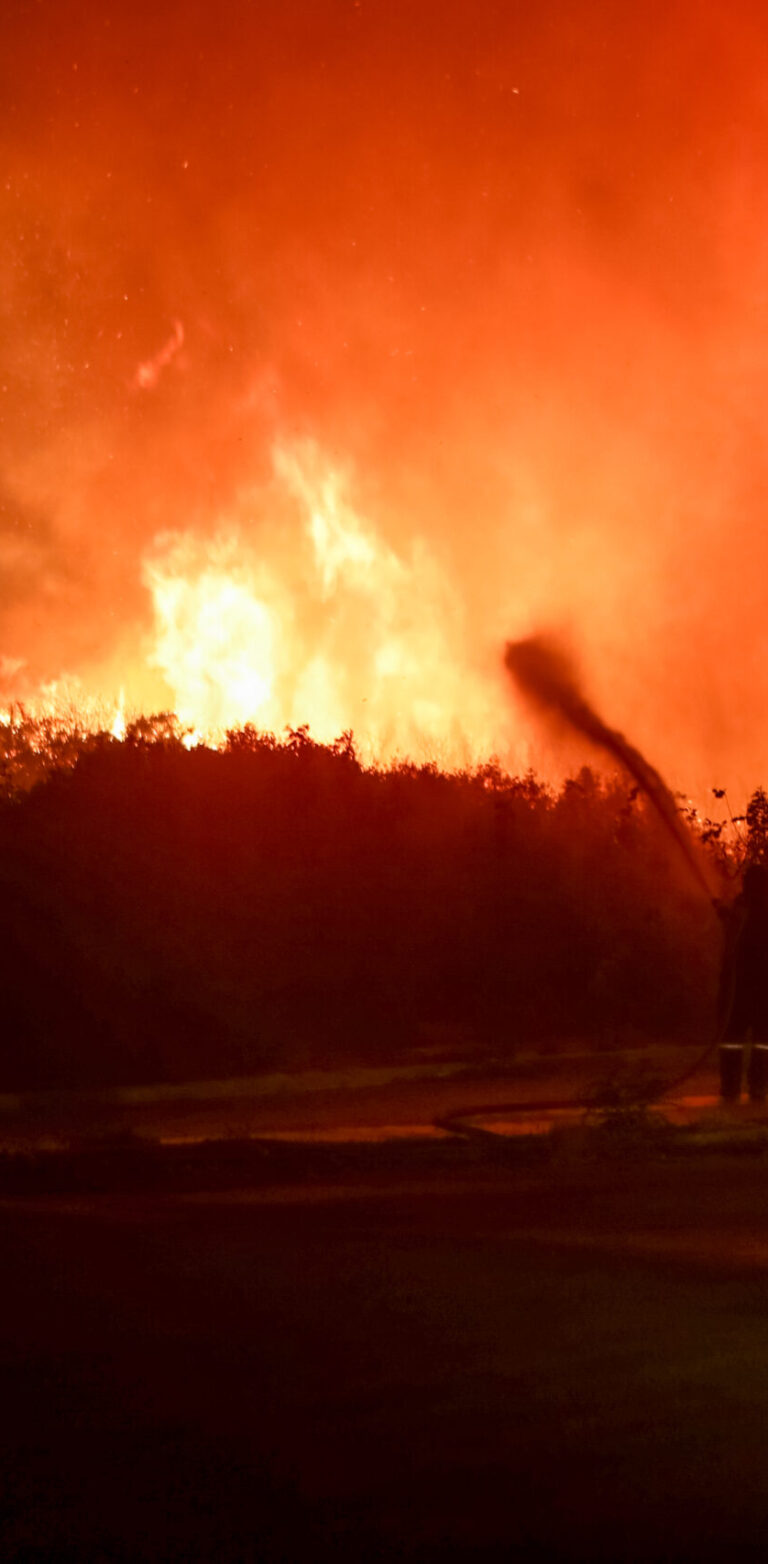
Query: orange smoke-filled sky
point(504, 265)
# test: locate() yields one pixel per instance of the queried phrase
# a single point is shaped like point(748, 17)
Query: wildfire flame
point(118, 728)
point(317, 620)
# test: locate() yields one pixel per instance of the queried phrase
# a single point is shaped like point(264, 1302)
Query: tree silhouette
point(757, 826)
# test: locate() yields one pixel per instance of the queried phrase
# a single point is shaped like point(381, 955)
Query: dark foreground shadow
point(414, 1376)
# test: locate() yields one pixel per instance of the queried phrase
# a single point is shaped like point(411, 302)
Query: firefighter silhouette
point(744, 987)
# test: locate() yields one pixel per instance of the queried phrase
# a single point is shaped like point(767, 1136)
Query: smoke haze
point(504, 265)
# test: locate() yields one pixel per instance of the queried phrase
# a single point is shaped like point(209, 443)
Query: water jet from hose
point(545, 675)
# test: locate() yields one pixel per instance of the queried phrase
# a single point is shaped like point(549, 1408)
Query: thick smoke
point(490, 258)
point(546, 676)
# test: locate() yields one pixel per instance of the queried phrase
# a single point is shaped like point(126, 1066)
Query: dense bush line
point(170, 913)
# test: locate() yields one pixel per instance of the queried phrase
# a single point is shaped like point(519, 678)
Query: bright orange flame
point(118, 727)
point(321, 622)
point(215, 640)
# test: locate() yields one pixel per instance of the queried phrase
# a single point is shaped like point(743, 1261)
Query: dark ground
point(352, 1098)
point(484, 1361)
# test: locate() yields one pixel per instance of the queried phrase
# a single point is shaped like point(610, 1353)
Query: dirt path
point(354, 1099)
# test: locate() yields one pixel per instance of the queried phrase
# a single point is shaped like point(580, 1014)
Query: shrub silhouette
point(170, 913)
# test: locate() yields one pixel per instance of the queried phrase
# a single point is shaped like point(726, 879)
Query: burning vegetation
point(352, 344)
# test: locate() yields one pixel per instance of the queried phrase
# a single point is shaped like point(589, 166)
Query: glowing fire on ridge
point(118, 728)
point(316, 619)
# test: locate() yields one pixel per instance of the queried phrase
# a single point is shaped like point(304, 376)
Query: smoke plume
point(490, 260)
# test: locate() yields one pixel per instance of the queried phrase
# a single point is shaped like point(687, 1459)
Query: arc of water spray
point(544, 674)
